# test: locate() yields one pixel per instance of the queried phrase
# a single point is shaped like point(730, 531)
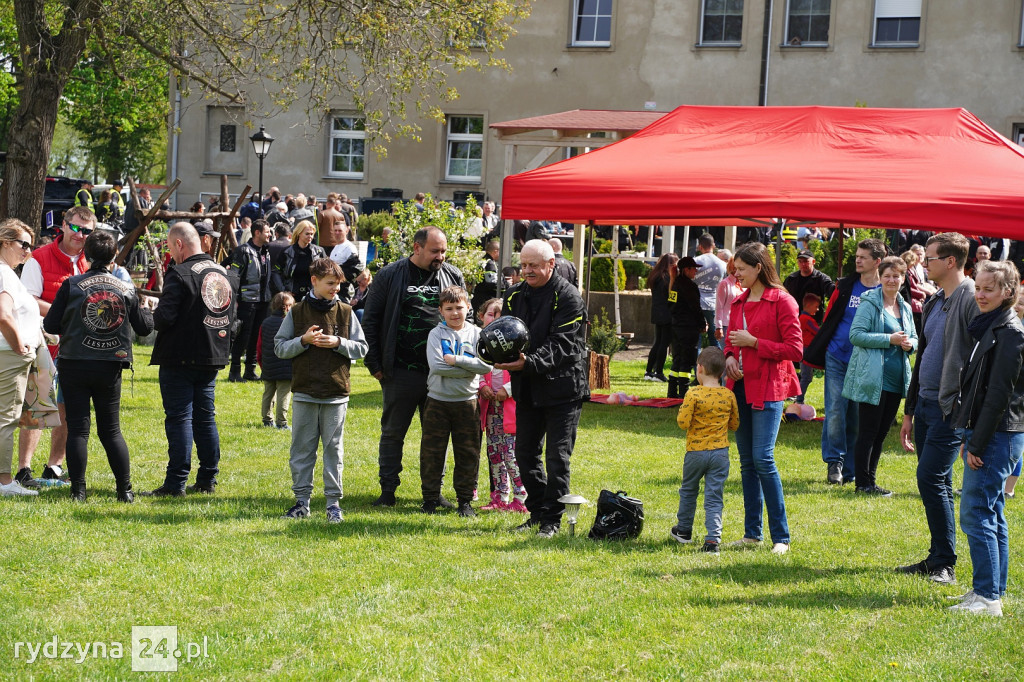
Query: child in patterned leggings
point(498, 414)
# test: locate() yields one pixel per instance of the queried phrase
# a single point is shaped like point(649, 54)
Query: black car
point(58, 196)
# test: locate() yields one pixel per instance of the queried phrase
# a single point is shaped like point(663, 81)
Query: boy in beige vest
point(322, 337)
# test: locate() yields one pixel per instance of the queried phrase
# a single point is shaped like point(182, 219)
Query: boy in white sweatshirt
point(451, 409)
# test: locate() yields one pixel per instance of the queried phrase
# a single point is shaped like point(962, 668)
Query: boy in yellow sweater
point(707, 414)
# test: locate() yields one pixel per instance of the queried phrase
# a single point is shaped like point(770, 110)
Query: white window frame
point(1020, 41)
point(462, 137)
point(897, 9)
point(1018, 133)
point(345, 135)
point(808, 43)
point(719, 43)
point(576, 9)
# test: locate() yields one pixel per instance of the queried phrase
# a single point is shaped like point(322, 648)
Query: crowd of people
point(295, 300)
point(963, 395)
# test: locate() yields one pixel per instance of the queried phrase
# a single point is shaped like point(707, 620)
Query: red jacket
point(56, 267)
point(768, 372)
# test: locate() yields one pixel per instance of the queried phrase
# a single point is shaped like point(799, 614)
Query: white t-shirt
point(32, 275)
point(342, 252)
point(26, 308)
point(710, 271)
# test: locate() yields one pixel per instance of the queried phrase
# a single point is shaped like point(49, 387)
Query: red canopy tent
point(934, 169)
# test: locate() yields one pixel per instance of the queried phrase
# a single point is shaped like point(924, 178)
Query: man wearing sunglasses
point(42, 276)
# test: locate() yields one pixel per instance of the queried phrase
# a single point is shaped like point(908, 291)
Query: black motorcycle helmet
point(503, 340)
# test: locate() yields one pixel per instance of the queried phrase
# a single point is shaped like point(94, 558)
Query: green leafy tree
point(390, 59)
point(118, 104)
point(466, 255)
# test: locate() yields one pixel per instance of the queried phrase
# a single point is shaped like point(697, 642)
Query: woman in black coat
point(291, 271)
point(990, 409)
point(661, 317)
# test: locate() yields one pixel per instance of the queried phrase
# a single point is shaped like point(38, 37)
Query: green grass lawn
point(396, 594)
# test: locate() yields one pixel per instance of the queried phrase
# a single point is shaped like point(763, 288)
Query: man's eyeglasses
point(929, 259)
point(80, 229)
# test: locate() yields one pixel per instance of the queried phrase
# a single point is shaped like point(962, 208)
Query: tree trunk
point(30, 138)
point(47, 60)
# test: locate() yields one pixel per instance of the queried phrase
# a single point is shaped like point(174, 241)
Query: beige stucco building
point(642, 54)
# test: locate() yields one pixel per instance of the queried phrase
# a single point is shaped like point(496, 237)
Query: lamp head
point(261, 142)
point(572, 506)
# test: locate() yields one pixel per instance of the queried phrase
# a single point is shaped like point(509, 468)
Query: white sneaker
point(961, 597)
point(780, 548)
point(975, 603)
point(649, 377)
point(14, 488)
point(745, 543)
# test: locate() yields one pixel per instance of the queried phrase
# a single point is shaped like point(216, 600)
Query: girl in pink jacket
point(498, 417)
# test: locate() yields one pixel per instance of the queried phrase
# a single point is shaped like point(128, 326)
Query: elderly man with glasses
point(42, 276)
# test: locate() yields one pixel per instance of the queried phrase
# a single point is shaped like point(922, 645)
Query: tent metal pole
point(781, 225)
point(839, 257)
point(615, 278)
point(588, 242)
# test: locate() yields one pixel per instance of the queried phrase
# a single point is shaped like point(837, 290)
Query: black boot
point(673, 387)
point(235, 374)
point(125, 493)
point(78, 491)
point(250, 374)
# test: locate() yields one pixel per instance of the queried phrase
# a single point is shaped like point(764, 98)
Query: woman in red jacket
point(764, 341)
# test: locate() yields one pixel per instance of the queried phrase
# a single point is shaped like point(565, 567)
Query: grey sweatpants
point(713, 467)
point(313, 423)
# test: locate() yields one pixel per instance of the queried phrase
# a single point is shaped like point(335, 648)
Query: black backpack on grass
point(618, 517)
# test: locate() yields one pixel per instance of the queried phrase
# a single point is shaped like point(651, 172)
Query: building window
point(807, 22)
point(227, 138)
point(1018, 133)
point(721, 22)
point(348, 147)
point(1020, 43)
point(592, 23)
point(897, 22)
point(465, 148)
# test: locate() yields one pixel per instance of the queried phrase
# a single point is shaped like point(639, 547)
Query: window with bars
point(807, 22)
point(721, 22)
point(347, 147)
point(465, 149)
point(897, 22)
point(592, 23)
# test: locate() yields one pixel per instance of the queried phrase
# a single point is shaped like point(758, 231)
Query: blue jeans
point(937, 447)
point(806, 377)
point(189, 415)
point(755, 440)
point(839, 434)
point(981, 512)
point(713, 467)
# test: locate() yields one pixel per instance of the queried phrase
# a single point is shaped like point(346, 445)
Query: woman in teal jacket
point(883, 337)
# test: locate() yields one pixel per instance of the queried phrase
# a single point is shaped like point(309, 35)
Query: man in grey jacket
point(402, 307)
point(945, 346)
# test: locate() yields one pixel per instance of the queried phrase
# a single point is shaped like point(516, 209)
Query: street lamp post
point(61, 170)
point(261, 142)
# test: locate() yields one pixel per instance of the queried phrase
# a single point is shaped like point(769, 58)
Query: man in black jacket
point(402, 306)
point(831, 349)
point(251, 262)
point(565, 268)
point(193, 321)
point(549, 383)
point(688, 323)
